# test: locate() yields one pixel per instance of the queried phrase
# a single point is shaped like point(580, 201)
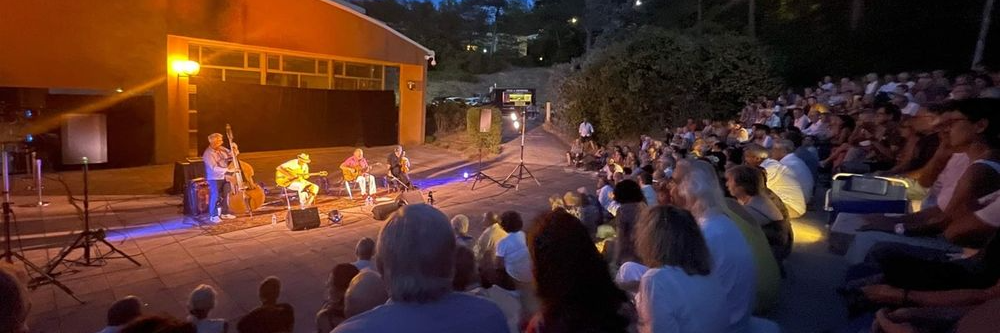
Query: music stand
point(88, 239)
point(521, 169)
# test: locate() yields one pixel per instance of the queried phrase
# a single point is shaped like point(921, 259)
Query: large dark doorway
point(277, 118)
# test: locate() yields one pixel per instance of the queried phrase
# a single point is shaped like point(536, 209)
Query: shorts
point(586, 138)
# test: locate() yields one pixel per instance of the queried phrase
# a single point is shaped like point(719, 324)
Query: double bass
point(246, 195)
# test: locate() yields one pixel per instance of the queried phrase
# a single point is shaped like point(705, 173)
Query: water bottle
point(274, 220)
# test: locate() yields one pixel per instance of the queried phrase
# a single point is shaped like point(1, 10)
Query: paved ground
point(177, 255)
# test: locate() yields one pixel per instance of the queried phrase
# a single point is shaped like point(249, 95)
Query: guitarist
point(217, 165)
point(297, 171)
point(356, 168)
point(398, 165)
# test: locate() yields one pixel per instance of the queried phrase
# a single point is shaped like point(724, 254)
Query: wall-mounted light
point(186, 67)
point(431, 58)
point(411, 85)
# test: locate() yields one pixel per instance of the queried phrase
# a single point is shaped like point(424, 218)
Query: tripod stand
point(521, 169)
point(8, 254)
point(88, 238)
point(480, 175)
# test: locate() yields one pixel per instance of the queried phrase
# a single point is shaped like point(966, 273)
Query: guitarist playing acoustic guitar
point(293, 175)
point(356, 168)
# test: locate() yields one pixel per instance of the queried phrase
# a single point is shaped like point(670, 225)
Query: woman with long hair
point(677, 294)
point(574, 286)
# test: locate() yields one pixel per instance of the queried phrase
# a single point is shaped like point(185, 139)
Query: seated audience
point(200, 304)
point(364, 251)
point(746, 184)
point(270, 316)
point(415, 254)
point(574, 157)
point(698, 191)
point(466, 281)
point(460, 224)
point(513, 262)
point(677, 294)
point(646, 186)
point(17, 302)
point(122, 312)
point(365, 292)
point(780, 179)
point(588, 301)
point(332, 312)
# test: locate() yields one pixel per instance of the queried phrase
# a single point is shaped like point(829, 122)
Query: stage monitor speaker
point(411, 197)
point(84, 135)
point(485, 120)
point(302, 219)
point(382, 211)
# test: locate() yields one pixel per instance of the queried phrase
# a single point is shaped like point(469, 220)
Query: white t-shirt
point(888, 87)
point(801, 173)
point(670, 300)
point(630, 272)
point(782, 181)
point(586, 129)
point(802, 122)
point(948, 179)
point(871, 88)
point(818, 129)
point(517, 260)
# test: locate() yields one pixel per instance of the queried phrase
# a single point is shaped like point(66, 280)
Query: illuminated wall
point(127, 44)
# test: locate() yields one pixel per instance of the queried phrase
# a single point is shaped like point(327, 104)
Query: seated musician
point(297, 171)
point(399, 166)
point(356, 168)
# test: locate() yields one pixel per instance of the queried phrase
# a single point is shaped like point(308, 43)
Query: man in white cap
point(293, 175)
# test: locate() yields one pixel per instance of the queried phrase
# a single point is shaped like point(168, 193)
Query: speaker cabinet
point(411, 197)
point(382, 211)
point(302, 219)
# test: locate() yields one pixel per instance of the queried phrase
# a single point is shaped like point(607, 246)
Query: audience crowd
point(686, 230)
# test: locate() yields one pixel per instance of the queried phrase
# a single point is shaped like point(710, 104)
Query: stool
point(288, 197)
point(346, 185)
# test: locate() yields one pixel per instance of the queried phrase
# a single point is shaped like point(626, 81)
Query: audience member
point(159, 324)
point(460, 224)
point(200, 304)
point(780, 179)
point(465, 281)
point(677, 294)
point(415, 255)
point(698, 191)
point(270, 316)
point(122, 312)
point(16, 302)
point(486, 245)
point(588, 301)
point(364, 251)
point(646, 186)
point(365, 292)
point(629, 196)
point(783, 151)
point(332, 312)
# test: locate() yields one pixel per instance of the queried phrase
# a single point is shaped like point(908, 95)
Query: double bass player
point(217, 165)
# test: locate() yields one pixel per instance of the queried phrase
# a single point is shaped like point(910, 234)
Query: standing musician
point(297, 171)
point(356, 168)
point(399, 166)
point(217, 165)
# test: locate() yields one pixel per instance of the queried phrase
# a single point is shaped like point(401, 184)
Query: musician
point(217, 165)
point(298, 169)
point(399, 165)
point(356, 168)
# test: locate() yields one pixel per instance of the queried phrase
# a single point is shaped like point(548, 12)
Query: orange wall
point(123, 43)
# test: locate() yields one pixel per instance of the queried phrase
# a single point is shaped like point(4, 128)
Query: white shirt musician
point(217, 164)
point(293, 175)
point(356, 168)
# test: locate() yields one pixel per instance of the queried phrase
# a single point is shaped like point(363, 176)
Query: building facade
point(119, 50)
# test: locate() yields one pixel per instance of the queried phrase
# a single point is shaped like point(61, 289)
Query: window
point(323, 67)
point(253, 60)
point(273, 62)
point(296, 64)
point(210, 73)
point(345, 84)
point(286, 80)
point(238, 76)
point(222, 57)
point(359, 70)
point(338, 68)
point(314, 82)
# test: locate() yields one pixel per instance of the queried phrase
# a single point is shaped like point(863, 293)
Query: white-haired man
point(415, 255)
point(783, 152)
point(356, 168)
point(217, 160)
point(780, 179)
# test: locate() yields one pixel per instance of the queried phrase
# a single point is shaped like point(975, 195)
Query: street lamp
point(573, 20)
point(638, 3)
point(186, 67)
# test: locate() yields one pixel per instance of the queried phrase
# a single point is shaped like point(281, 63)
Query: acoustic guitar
point(283, 178)
point(351, 174)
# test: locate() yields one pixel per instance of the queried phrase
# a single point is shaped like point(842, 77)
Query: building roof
point(350, 9)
